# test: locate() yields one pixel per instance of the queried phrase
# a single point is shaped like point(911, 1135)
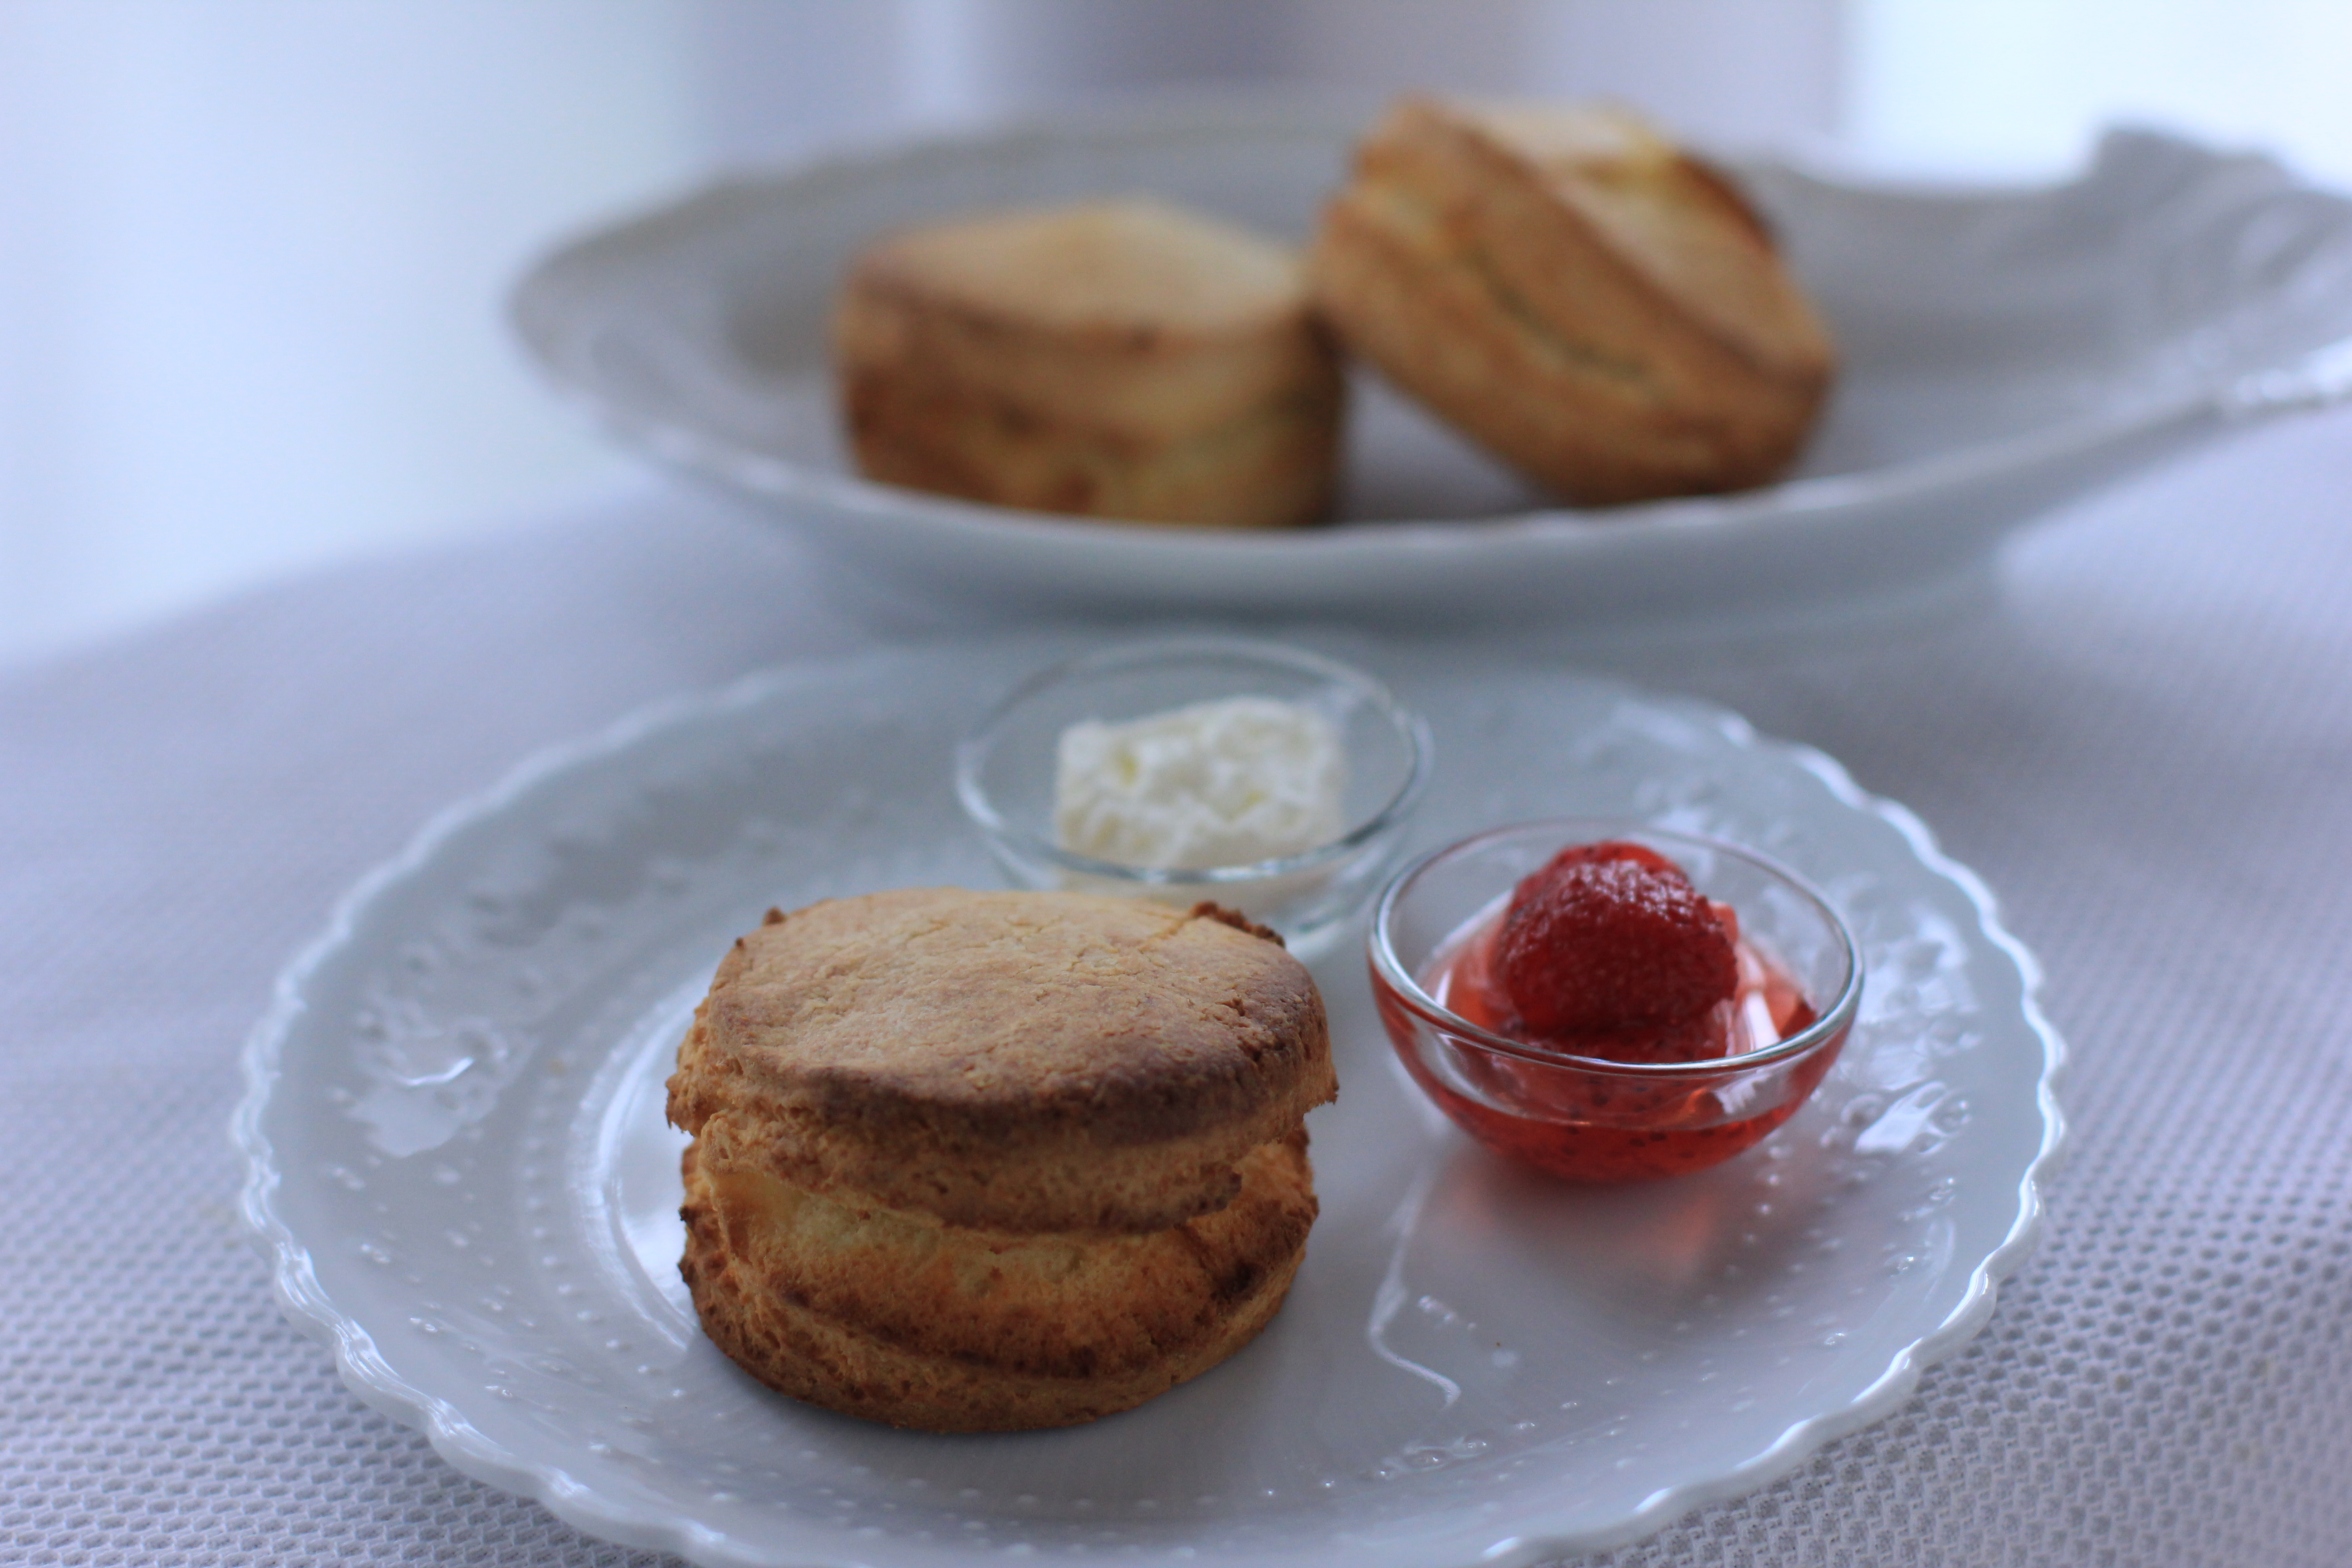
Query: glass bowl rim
point(1411, 727)
point(1835, 1019)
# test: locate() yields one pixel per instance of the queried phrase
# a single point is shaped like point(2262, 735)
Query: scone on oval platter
point(988, 1161)
point(1576, 293)
point(1122, 359)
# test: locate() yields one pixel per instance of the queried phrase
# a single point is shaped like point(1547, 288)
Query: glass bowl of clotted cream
point(1265, 778)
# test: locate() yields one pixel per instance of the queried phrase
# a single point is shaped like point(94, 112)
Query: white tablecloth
point(2145, 749)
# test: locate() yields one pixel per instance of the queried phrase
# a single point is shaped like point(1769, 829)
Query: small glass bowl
point(1582, 1117)
point(1004, 776)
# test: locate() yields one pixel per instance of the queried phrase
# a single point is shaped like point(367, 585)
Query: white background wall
point(252, 251)
point(2016, 87)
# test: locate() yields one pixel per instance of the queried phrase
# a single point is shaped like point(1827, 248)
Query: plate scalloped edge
point(363, 1370)
point(1888, 1393)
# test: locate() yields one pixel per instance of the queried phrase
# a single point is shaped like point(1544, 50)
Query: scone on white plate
point(1121, 359)
point(982, 1162)
point(1576, 293)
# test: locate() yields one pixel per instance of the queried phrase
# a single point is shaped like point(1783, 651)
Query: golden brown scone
point(1570, 290)
point(1117, 359)
point(979, 1162)
point(890, 1315)
point(1009, 1060)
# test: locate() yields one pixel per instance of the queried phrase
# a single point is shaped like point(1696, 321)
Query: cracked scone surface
point(1014, 1060)
point(981, 1161)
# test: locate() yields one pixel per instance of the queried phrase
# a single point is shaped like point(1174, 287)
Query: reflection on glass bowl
point(1005, 778)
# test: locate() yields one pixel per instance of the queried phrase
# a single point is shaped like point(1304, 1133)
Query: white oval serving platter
point(2003, 352)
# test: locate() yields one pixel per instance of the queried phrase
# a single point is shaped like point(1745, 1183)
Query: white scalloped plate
point(458, 1166)
point(2003, 352)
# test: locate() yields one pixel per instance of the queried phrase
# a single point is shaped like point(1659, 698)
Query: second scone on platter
point(1117, 359)
point(983, 1162)
point(1576, 293)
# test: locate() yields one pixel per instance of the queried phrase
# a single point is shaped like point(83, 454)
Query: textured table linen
point(2144, 748)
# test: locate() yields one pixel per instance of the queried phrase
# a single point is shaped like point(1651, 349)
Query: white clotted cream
point(1227, 783)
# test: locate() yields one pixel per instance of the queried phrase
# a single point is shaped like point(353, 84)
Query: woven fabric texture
point(2143, 747)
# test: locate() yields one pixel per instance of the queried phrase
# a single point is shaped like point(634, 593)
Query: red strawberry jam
point(1609, 954)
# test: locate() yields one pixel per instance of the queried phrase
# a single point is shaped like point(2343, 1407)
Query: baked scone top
point(1026, 1061)
point(1122, 266)
point(1678, 230)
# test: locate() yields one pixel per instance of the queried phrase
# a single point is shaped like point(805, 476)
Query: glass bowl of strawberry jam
point(1609, 1001)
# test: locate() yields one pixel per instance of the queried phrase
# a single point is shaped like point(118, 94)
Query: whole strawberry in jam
point(1612, 939)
